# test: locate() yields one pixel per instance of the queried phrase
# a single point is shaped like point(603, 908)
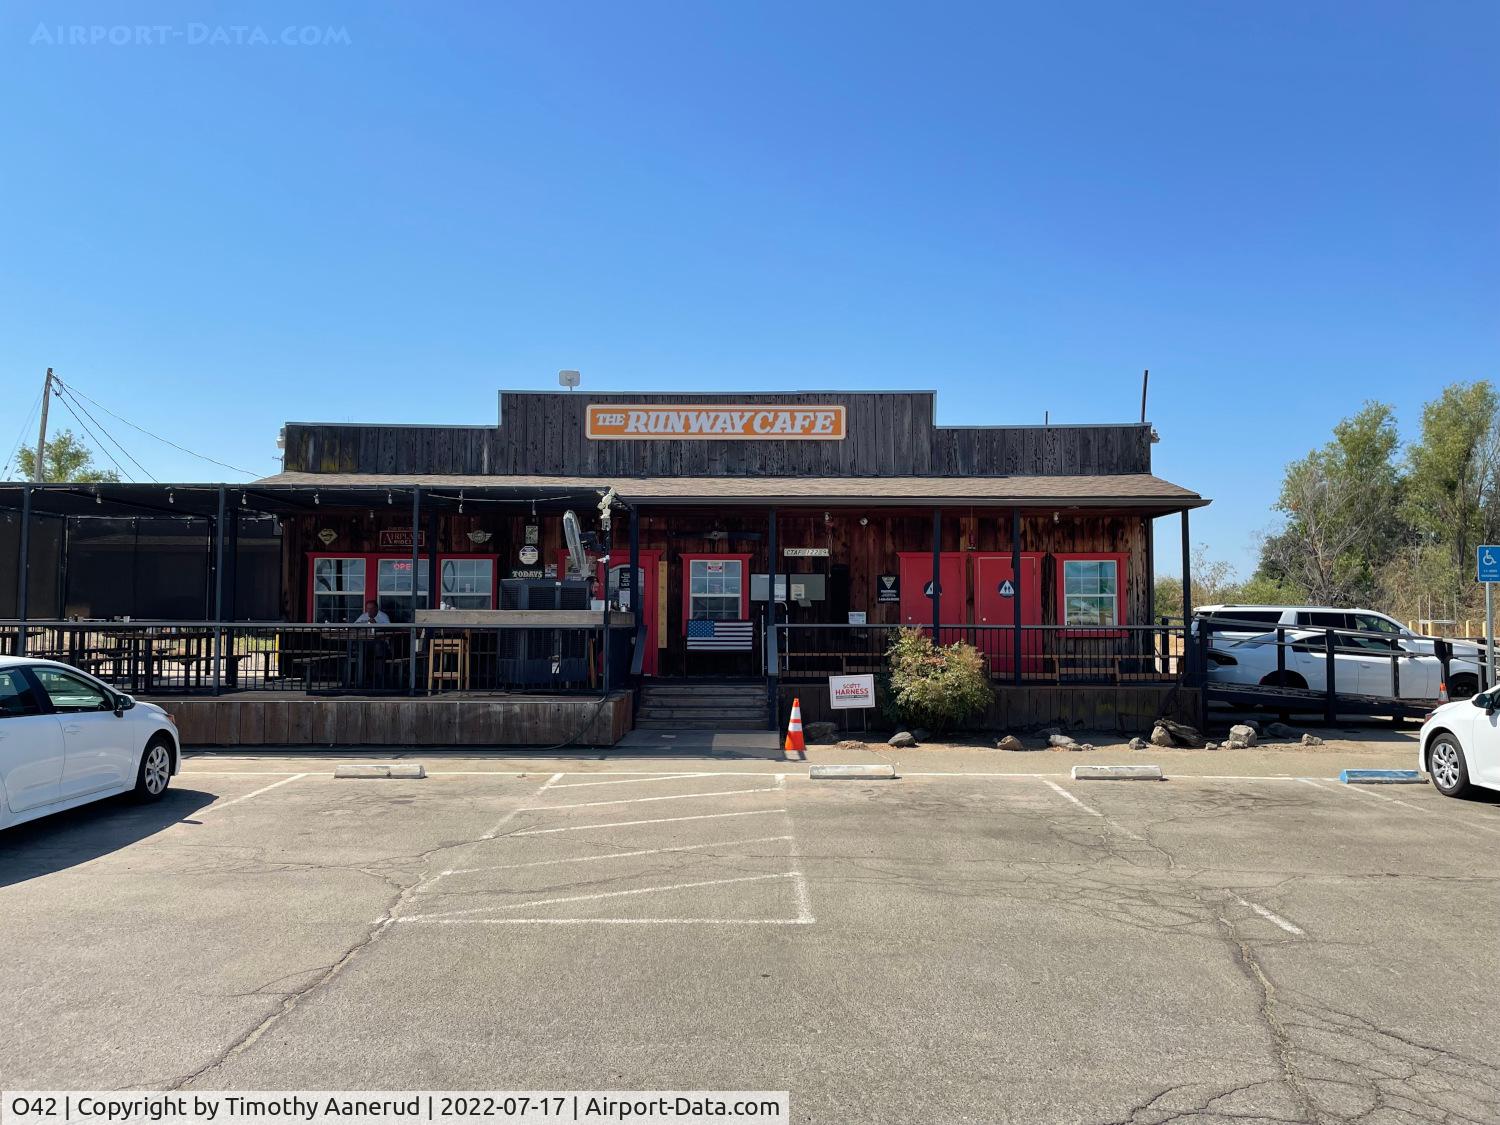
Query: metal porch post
point(1015, 598)
point(773, 661)
point(937, 582)
point(219, 591)
point(411, 656)
point(609, 538)
point(23, 567)
point(1188, 647)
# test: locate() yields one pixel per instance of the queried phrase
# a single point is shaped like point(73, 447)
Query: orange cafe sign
point(711, 422)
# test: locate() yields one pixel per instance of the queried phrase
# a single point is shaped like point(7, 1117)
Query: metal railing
point(1041, 655)
point(1327, 668)
point(207, 657)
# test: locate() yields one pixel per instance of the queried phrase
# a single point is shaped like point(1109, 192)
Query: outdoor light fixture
point(317, 498)
point(460, 501)
point(1056, 518)
point(171, 497)
point(388, 496)
point(864, 521)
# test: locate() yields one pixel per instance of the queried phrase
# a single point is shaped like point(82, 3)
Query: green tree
point(1453, 480)
point(1342, 505)
point(65, 459)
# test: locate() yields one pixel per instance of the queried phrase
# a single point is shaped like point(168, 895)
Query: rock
point(1311, 740)
point(1061, 742)
point(1010, 742)
point(901, 739)
point(1210, 746)
point(1048, 732)
point(1085, 746)
point(1280, 730)
point(1253, 724)
point(1229, 744)
point(1243, 733)
point(1139, 744)
point(1160, 737)
point(821, 733)
point(851, 744)
point(1180, 734)
point(922, 734)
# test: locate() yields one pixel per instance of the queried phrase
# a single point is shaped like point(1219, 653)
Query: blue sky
point(1281, 209)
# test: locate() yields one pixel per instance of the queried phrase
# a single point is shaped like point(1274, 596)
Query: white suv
point(1253, 620)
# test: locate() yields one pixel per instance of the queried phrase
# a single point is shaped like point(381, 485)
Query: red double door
point(992, 606)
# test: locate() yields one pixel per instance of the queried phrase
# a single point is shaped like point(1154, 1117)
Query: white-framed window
point(714, 589)
point(393, 586)
point(338, 589)
point(1091, 592)
point(468, 583)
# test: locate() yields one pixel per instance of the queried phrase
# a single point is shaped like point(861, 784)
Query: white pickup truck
point(1238, 622)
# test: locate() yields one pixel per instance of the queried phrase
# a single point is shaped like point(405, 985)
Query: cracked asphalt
point(1001, 948)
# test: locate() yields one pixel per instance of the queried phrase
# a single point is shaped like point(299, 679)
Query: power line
point(130, 456)
point(15, 451)
point(158, 437)
point(102, 447)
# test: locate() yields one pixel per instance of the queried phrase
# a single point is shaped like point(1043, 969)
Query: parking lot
point(952, 946)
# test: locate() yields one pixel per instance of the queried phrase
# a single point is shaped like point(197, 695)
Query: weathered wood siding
point(1124, 709)
point(889, 434)
point(512, 721)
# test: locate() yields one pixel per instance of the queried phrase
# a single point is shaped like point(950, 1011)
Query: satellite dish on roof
point(577, 558)
point(569, 379)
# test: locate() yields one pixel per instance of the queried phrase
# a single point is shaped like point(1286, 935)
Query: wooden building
point(770, 539)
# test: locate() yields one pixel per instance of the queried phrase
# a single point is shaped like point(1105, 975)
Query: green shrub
point(934, 686)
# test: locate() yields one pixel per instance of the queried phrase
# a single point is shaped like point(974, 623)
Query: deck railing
point(206, 657)
point(1039, 655)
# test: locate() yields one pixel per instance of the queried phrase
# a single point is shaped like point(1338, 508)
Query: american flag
point(705, 635)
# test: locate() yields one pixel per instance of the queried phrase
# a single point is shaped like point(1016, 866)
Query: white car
point(67, 739)
point(1252, 620)
point(1362, 664)
point(1460, 745)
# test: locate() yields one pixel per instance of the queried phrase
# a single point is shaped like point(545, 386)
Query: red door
point(916, 589)
point(995, 594)
point(646, 581)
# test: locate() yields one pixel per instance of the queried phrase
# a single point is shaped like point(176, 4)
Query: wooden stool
point(439, 649)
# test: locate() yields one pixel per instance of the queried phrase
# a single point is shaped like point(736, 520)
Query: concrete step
point(678, 724)
point(687, 715)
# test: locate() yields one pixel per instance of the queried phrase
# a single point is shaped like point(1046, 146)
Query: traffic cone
point(794, 743)
point(1443, 691)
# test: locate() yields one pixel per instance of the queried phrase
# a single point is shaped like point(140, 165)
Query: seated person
point(373, 615)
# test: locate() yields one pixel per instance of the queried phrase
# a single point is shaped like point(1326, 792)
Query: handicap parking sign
point(1489, 563)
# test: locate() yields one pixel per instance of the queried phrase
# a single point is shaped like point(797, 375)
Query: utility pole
point(39, 470)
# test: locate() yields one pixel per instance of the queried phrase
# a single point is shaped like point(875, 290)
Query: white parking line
point(595, 897)
point(1271, 916)
point(611, 921)
point(257, 793)
point(628, 823)
point(616, 855)
point(644, 800)
point(1362, 791)
point(637, 780)
point(1050, 784)
point(504, 820)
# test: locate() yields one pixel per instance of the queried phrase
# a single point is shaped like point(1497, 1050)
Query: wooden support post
point(637, 595)
point(773, 660)
point(1015, 598)
point(411, 636)
point(937, 582)
point(218, 651)
point(1188, 646)
point(23, 569)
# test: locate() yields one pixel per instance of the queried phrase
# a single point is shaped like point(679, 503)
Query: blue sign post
point(1488, 571)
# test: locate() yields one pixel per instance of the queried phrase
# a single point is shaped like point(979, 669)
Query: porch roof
point(1136, 491)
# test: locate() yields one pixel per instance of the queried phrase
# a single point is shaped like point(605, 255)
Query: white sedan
point(1363, 664)
point(1460, 745)
point(67, 739)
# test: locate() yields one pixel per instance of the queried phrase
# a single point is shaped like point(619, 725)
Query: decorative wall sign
point(533, 534)
point(529, 555)
point(478, 538)
point(712, 422)
point(523, 572)
point(399, 539)
point(888, 589)
point(805, 552)
point(327, 536)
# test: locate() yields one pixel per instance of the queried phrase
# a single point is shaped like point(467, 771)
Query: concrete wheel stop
point(402, 771)
point(1117, 773)
point(852, 773)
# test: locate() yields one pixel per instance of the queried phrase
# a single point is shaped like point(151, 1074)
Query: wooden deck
point(452, 720)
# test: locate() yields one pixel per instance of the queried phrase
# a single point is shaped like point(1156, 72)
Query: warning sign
point(1007, 590)
point(888, 589)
